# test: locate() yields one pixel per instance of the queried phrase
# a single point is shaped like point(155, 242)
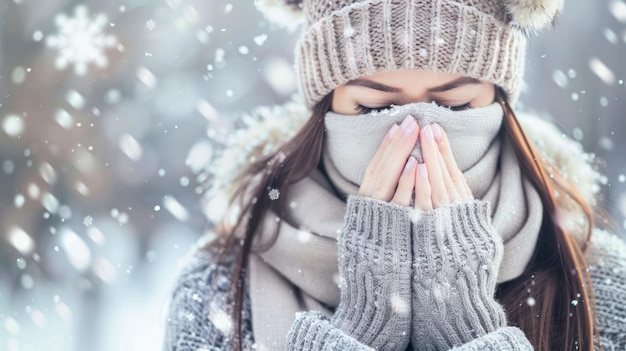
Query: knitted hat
point(347, 39)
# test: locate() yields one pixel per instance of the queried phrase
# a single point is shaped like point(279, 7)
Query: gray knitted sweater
point(446, 277)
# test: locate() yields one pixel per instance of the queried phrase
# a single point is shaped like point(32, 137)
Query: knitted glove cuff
point(377, 229)
point(458, 236)
point(456, 256)
point(375, 271)
point(507, 338)
point(313, 331)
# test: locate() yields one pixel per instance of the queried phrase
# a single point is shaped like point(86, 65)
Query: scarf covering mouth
point(351, 141)
point(300, 271)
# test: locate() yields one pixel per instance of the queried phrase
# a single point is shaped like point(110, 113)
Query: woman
point(411, 210)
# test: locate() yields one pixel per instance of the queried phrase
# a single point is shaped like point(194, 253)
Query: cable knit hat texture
point(346, 39)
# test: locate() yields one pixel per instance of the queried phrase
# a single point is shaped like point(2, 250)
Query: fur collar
point(265, 128)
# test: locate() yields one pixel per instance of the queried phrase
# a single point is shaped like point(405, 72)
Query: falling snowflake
point(81, 41)
point(348, 32)
point(274, 194)
point(260, 39)
point(88, 221)
point(150, 24)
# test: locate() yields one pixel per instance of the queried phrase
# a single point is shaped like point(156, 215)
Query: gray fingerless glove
point(375, 270)
point(456, 256)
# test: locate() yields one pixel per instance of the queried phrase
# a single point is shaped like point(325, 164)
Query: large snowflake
point(81, 41)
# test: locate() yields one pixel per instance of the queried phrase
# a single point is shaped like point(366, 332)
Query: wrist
point(375, 271)
point(458, 235)
point(456, 256)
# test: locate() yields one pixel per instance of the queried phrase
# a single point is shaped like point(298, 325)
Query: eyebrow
point(457, 83)
point(362, 82)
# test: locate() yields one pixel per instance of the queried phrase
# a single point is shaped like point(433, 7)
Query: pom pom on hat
point(285, 13)
point(532, 16)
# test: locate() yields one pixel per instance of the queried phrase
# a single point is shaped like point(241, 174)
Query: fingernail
point(437, 131)
point(408, 125)
point(428, 131)
point(393, 130)
point(423, 170)
point(409, 164)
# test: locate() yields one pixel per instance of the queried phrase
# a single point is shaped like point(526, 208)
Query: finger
point(468, 195)
point(439, 195)
point(422, 189)
point(456, 175)
point(453, 194)
point(406, 183)
point(389, 169)
point(369, 177)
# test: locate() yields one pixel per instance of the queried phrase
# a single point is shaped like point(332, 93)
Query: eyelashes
point(364, 109)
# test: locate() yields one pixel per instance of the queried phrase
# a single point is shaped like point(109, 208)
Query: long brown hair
point(552, 302)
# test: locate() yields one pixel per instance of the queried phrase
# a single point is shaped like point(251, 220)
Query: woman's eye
point(466, 106)
point(364, 109)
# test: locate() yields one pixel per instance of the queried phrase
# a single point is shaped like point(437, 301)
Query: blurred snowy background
point(108, 111)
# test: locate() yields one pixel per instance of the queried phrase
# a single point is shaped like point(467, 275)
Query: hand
point(392, 175)
point(456, 254)
point(438, 181)
point(389, 175)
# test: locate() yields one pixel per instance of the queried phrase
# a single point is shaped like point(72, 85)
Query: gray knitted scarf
point(300, 271)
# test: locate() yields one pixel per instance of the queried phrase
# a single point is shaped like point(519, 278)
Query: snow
point(560, 78)
point(260, 39)
point(38, 318)
point(95, 234)
point(37, 35)
point(244, 50)
point(117, 119)
point(601, 70)
point(618, 9)
point(274, 194)
point(176, 208)
point(20, 240)
point(75, 99)
point(13, 125)
point(199, 156)
point(610, 35)
point(578, 134)
point(27, 282)
point(18, 75)
point(64, 119)
point(207, 110)
point(81, 41)
point(184, 181)
point(130, 147)
point(147, 77)
point(571, 73)
point(82, 188)
point(8, 166)
point(21, 263)
point(113, 96)
point(278, 73)
point(47, 173)
point(11, 325)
